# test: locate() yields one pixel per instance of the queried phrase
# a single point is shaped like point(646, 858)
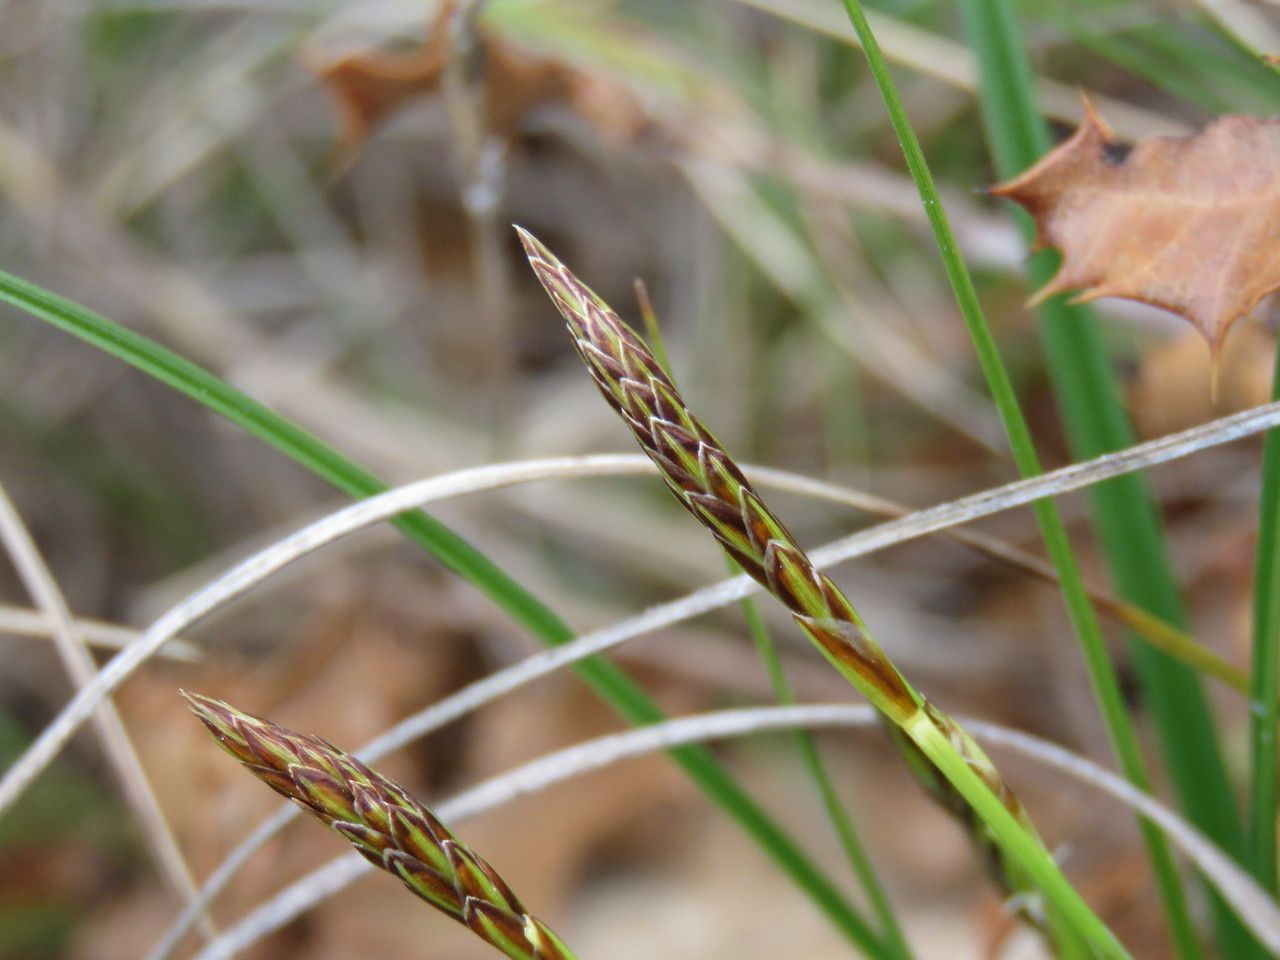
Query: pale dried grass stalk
point(117, 745)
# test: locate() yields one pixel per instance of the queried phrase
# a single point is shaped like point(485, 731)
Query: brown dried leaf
point(1190, 224)
point(368, 87)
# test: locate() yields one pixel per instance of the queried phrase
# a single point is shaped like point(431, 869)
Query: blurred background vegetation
point(313, 201)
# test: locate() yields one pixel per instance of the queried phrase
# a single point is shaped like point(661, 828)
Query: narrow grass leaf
point(1265, 695)
point(1124, 516)
point(1102, 675)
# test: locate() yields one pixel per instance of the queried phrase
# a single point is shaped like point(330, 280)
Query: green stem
point(1092, 643)
point(1014, 838)
point(1266, 665)
point(891, 929)
point(603, 676)
point(1125, 519)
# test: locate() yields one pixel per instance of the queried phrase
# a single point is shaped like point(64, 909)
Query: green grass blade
point(1041, 868)
point(1093, 646)
point(895, 940)
point(1124, 516)
point(608, 680)
point(1266, 666)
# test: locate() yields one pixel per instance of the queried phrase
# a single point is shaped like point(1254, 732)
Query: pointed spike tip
point(533, 247)
point(219, 718)
point(219, 710)
point(208, 709)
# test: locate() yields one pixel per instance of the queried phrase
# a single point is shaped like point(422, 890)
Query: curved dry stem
point(27, 622)
point(1255, 907)
point(261, 565)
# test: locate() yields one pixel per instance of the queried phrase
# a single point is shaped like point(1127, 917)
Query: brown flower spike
point(386, 824)
point(1190, 224)
point(710, 485)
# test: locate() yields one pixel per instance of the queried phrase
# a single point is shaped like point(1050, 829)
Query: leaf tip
point(1047, 292)
point(1093, 120)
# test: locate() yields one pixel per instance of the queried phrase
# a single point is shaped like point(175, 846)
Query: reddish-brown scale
point(479, 880)
point(478, 914)
point(667, 405)
point(837, 602)
point(428, 883)
point(364, 837)
point(368, 809)
point(603, 366)
point(901, 700)
point(756, 519)
point(281, 783)
point(327, 796)
point(675, 475)
point(635, 399)
point(717, 475)
point(781, 560)
point(672, 440)
point(718, 516)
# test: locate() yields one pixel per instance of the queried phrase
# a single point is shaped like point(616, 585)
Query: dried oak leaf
point(1190, 224)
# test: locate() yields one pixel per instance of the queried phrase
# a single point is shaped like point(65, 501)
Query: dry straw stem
point(706, 481)
point(116, 743)
point(251, 571)
point(18, 621)
point(387, 826)
point(1255, 906)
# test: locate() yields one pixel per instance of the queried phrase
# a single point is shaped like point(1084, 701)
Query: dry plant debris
point(387, 826)
point(1190, 224)
point(369, 86)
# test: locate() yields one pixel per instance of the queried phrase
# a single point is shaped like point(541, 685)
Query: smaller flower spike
point(387, 826)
